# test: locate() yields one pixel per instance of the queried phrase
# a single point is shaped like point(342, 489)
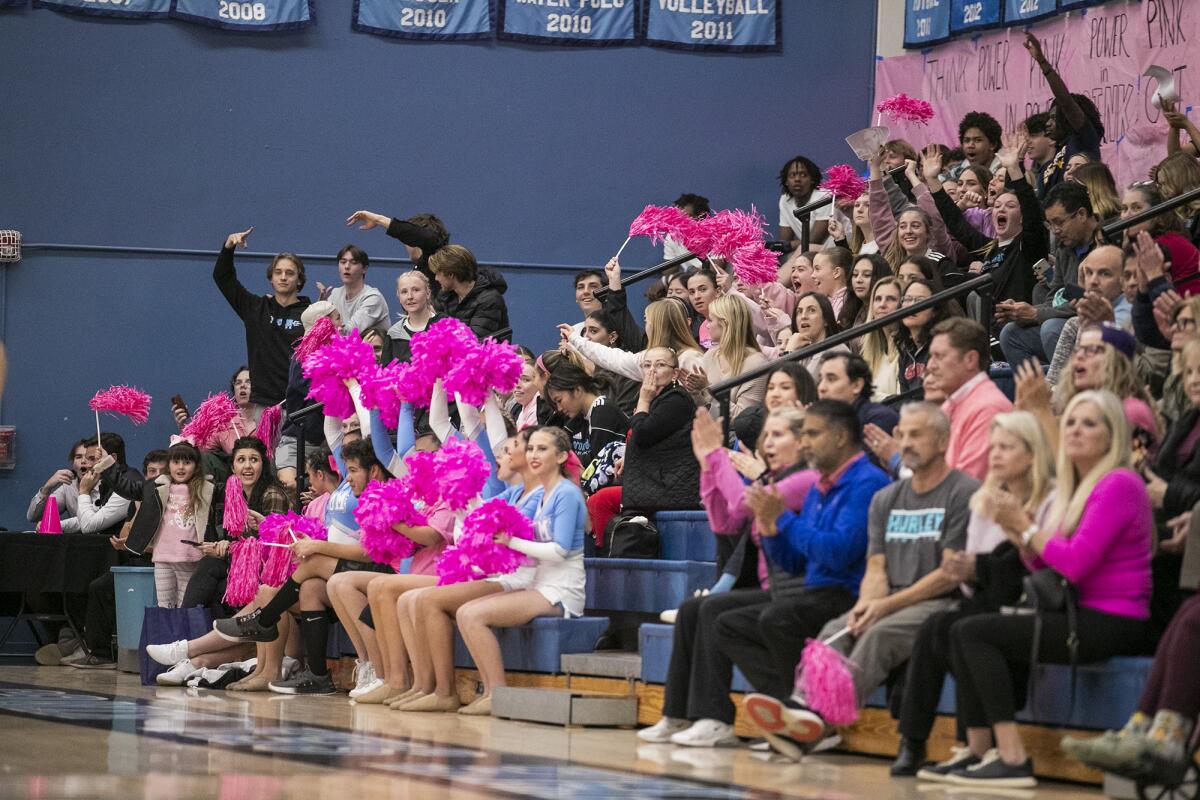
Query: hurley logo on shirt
point(914, 525)
point(286, 324)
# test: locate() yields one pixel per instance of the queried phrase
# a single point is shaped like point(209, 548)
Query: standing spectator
point(798, 181)
point(1041, 149)
point(421, 234)
point(272, 321)
point(415, 294)
point(469, 295)
point(696, 207)
point(296, 397)
point(361, 307)
point(979, 136)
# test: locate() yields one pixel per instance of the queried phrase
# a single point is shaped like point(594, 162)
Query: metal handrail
point(648, 272)
point(1110, 230)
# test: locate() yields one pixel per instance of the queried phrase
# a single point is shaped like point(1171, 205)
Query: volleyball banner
point(726, 25)
point(584, 22)
point(926, 22)
point(974, 15)
point(250, 15)
point(135, 9)
point(1019, 11)
point(435, 20)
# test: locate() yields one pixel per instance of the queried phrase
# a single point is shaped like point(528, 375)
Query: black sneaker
point(304, 683)
point(245, 629)
point(95, 662)
point(960, 758)
point(995, 772)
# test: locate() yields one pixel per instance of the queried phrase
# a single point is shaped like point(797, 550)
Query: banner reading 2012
point(585, 22)
point(137, 9)
point(728, 25)
point(246, 15)
point(425, 19)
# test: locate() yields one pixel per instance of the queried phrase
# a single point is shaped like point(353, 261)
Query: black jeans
point(100, 623)
point(990, 655)
point(766, 642)
point(926, 673)
point(699, 676)
point(207, 585)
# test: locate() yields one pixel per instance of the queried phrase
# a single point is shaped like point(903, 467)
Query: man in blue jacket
point(826, 542)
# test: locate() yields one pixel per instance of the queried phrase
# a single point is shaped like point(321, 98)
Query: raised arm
point(613, 359)
point(225, 274)
point(1062, 95)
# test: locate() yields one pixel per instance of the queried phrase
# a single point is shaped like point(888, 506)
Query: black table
point(59, 564)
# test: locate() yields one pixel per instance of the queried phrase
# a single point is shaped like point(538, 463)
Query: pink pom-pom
point(502, 365)
point(236, 510)
point(124, 400)
point(279, 563)
point(342, 359)
point(843, 182)
point(658, 222)
point(476, 554)
point(462, 471)
point(754, 264)
point(380, 507)
point(382, 390)
point(211, 418)
point(824, 679)
point(737, 236)
point(422, 476)
point(440, 349)
point(245, 567)
point(319, 335)
point(908, 109)
point(489, 365)
point(269, 423)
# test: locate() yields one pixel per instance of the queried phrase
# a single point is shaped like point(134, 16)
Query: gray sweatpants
point(886, 645)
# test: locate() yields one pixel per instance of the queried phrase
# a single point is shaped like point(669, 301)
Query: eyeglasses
point(1089, 350)
point(1183, 324)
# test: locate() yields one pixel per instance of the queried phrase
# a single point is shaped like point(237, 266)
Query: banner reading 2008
point(424, 19)
point(246, 15)
point(138, 9)
point(729, 25)
point(585, 22)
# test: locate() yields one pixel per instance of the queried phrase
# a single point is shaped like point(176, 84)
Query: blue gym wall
point(165, 134)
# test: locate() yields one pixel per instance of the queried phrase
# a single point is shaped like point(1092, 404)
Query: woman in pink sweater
point(1098, 537)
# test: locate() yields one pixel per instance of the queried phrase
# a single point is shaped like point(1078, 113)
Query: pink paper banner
point(1100, 52)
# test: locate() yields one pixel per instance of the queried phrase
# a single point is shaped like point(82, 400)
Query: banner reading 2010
point(438, 20)
point(247, 15)
point(728, 25)
point(584, 22)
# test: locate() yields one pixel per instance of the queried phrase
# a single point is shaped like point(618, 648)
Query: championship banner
point(251, 15)
point(926, 22)
point(1103, 54)
point(1019, 11)
point(135, 9)
point(581, 22)
point(730, 26)
point(973, 15)
point(437, 20)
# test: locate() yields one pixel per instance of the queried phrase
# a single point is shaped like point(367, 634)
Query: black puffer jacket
point(661, 472)
point(483, 309)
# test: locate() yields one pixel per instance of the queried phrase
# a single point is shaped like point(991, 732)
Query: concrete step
point(564, 707)
point(603, 664)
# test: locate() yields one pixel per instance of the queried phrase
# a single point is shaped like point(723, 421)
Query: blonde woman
point(734, 352)
point(1098, 536)
point(415, 294)
point(1019, 464)
point(879, 347)
point(666, 326)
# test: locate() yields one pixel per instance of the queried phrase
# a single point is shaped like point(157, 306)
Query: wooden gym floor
point(67, 733)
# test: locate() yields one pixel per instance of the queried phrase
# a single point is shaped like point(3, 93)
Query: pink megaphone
point(51, 523)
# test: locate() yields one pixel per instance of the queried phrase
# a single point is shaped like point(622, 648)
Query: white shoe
point(662, 731)
point(669, 615)
point(706, 733)
point(364, 674)
point(360, 691)
point(168, 654)
point(178, 674)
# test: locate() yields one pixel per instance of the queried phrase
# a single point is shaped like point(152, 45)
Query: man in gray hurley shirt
point(914, 524)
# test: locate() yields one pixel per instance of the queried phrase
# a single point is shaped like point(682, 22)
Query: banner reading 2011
point(438, 20)
point(136, 9)
point(728, 25)
point(584, 22)
point(246, 15)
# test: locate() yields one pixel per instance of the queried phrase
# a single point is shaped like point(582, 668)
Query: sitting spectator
point(867, 271)
point(362, 308)
point(421, 234)
point(1099, 536)
point(1182, 258)
point(734, 352)
point(1174, 482)
point(630, 335)
point(799, 179)
point(914, 526)
point(979, 135)
point(831, 276)
point(789, 385)
point(861, 240)
point(63, 486)
point(1101, 187)
point(913, 231)
point(100, 509)
point(245, 423)
point(1032, 329)
point(415, 294)
point(1176, 174)
point(468, 294)
point(813, 322)
point(847, 378)
point(526, 395)
point(592, 419)
point(696, 207)
point(916, 268)
point(599, 327)
point(801, 275)
point(879, 346)
point(914, 334)
point(286, 457)
point(587, 282)
point(1101, 276)
point(1042, 148)
point(1021, 464)
point(272, 321)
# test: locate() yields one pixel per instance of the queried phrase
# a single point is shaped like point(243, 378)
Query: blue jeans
point(1021, 344)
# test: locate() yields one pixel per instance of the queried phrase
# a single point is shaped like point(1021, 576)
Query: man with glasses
point(1031, 331)
point(361, 307)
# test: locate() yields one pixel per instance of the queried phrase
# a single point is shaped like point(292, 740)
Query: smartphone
point(189, 541)
point(1073, 292)
point(1042, 270)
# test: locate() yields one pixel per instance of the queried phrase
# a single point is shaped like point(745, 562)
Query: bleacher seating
point(685, 536)
point(540, 645)
point(644, 585)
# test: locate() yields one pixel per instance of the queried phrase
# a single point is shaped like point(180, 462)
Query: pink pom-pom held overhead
point(844, 183)
point(316, 337)
point(381, 390)
point(269, 423)
point(658, 222)
point(824, 679)
point(738, 237)
point(245, 567)
point(342, 359)
point(236, 510)
point(123, 400)
point(905, 108)
point(476, 554)
point(211, 418)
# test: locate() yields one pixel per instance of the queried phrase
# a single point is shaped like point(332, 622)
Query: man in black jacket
point(272, 321)
point(469, 294)
point(421, 234)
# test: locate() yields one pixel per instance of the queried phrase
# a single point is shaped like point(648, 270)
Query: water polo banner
point(974, 15)
point(251, 15)
point(435, 20)
point(579, 22)
point(134, 9)
point(727, 25)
